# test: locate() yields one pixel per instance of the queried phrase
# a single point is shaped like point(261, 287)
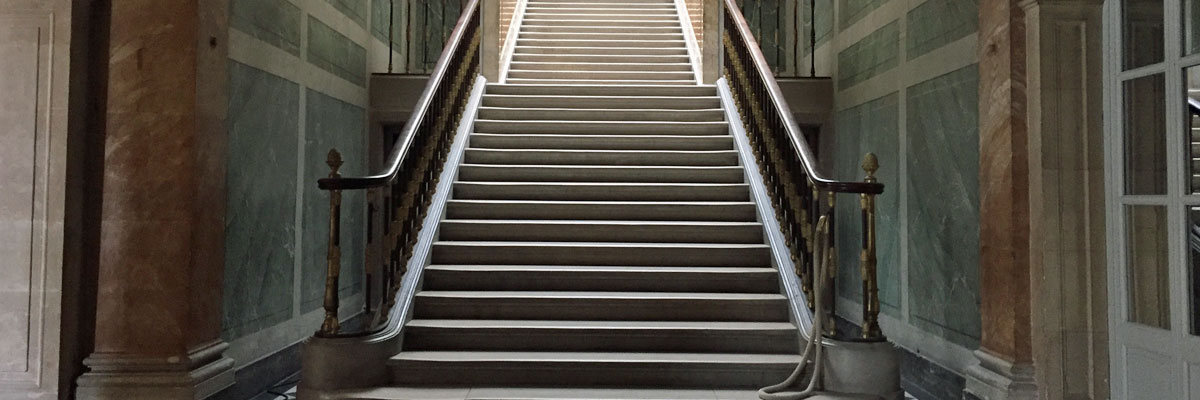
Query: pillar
point(1005, 369)
point(489, 47)
point(158, 312)
point(710, 64)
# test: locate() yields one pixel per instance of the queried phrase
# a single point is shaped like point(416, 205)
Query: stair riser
point(583, 157)
point(620, 18)
point(611, 59)
point(617, 51)
point(518, 254)
point(666, 12)
point(607, 75)
point(601, 340)
point(478, 191)
point(601, 374)
point(657, 44)
point(535, 232)
point(598, 82)
point(480, 173)
point(611, 6)
point(558, 114)
point(737, 212)
point(602, 281)
point(585, 142)
point(583, 102)
point(553, 21)
point(610, 67)
point(599, 29)
point(602, 128)
point(590, 309)
point(707, 93)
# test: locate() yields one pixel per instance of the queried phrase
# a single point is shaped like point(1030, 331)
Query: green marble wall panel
point(936, 23)
point(873, 126)
point(356, 10)
point(334, 52)
point(877, 52)
point(276, 22)
point(331, 123)
point(380, 11)
point(768, 20)
point(943, 205)
point(851, 11)
point(824, 23)
point(261, 204)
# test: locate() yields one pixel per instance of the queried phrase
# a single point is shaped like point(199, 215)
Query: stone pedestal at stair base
point(202, 373)
point(996, 379)
point(871, 368)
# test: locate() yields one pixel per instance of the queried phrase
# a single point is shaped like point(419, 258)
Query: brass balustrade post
point(331, 326)
point(868, 262)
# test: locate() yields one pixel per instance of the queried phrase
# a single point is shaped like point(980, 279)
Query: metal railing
point(800, 193)
point(409, 180)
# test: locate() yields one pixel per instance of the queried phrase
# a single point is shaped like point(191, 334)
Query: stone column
point(711, 51)
point(489, 47)
point(1005, 369)
point(158, 312)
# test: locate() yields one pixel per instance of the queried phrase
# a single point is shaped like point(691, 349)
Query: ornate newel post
point(868, 263)
point(333, 259)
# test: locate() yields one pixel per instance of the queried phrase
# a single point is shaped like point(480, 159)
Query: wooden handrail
point(775, 95)
point(400, 152)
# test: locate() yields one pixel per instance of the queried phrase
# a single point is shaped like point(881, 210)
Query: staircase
point(600, 232)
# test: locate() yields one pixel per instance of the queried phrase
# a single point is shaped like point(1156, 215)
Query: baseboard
point(919, 377)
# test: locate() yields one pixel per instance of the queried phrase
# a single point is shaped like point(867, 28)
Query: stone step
point(585, 66)
point(618, 6)
point(602, 210)
point(601, 50)
point(615, 16)
point(548, 21)
point(600, 191)
point(600, 142)
point(601, 114)
point(602, 127)
point(601, 278)
point(585, 76)
point(600, 29)
point(600, 173)
point(600, 231)
point(593, 369)
point(601, 306)
point(708, 92)
point(538, 9)
point(601, 336)
point(611, 59)
point(523, 43)
point(621, 82)
point(601, 157)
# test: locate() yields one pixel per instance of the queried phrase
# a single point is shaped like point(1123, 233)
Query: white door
point(1152, 123)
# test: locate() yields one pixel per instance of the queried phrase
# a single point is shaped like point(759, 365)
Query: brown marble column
point(1005, 370)
point(158, 312)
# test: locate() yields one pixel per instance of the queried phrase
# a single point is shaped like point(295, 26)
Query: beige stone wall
point(35, 41)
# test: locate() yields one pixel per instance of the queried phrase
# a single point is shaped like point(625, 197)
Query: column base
point(996, 379)
point(201, 374)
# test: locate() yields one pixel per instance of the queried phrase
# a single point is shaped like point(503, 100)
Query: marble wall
point(299, 74)
point(907, 89)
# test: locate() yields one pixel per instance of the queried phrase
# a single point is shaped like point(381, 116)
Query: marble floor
point(484, 393)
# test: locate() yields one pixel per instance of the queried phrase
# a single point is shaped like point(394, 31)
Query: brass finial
point(334, 160)
point(870, 164)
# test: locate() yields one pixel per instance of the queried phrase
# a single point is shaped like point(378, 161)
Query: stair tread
point(600, 268)
point(613, 325)
point(604, 357)
point(593, 222)
point(604, 244)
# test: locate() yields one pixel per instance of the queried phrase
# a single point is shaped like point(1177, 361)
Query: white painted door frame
point(1147, 362)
